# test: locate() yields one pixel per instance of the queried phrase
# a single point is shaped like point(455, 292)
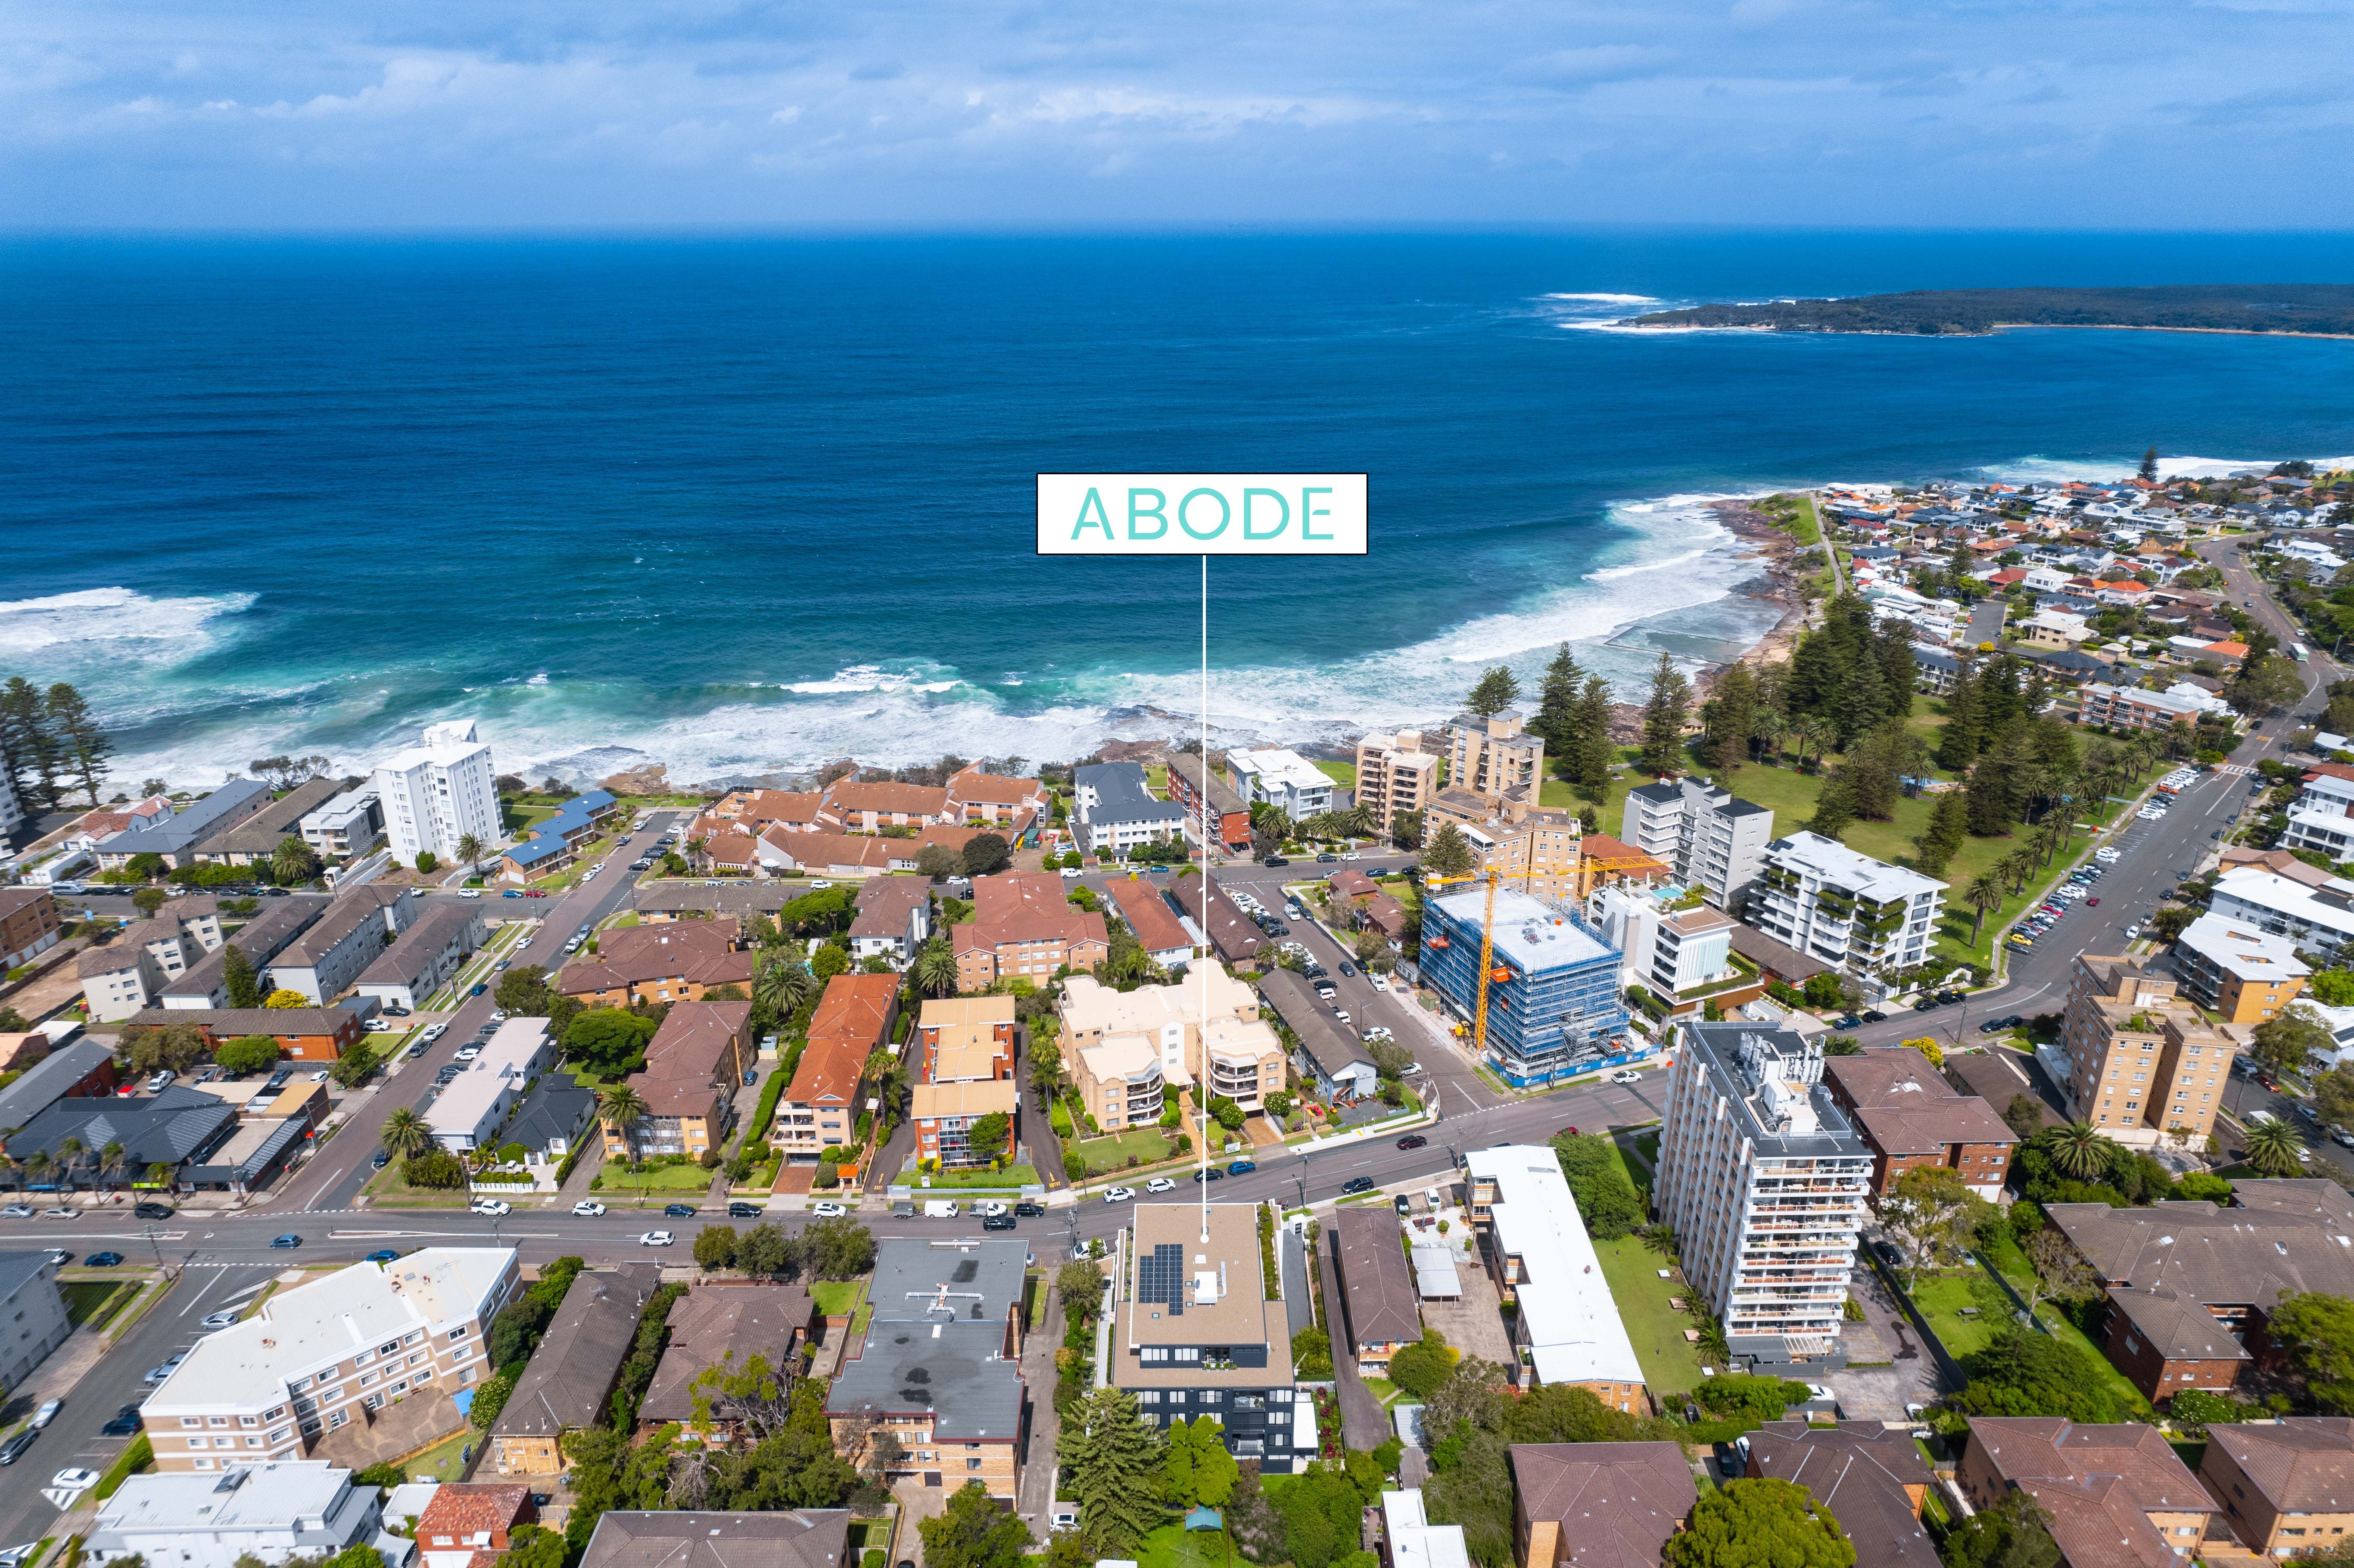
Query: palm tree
point(1982, 894)
point(38, 1165)
point(1766, 727)
point(2015, 868)
point(2274, 1148)
point(470, 848)
point(10, 1172)
point(1817, 731)
point(782, 985)
point(159, 1175)
point(2080, 1151)
point(406, 1133)
point(110, 1159)
point(2046, 843)
point(621, 1107)
point(935, 968)
point(2035, 783)
point(69, 1152)
point(1270, 821)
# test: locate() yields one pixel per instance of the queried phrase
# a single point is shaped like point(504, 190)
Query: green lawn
point(1344, 774)
point(443, 1461)
point(838, 1297)
point(1941, 1297)
point(1172, 1546)
point(1670, 1364)
point(1150, 1145)
point(86, 1297)
point(982, 1176)
point(663, 1179)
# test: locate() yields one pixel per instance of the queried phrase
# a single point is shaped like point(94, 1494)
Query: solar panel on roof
point(1160, 1277)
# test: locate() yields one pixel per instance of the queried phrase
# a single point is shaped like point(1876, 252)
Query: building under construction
point(1553, 984)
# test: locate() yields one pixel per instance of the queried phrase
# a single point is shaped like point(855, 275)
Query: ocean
point(745, 505)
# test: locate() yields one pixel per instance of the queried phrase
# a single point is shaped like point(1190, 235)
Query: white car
point(221, 1319)
point(1161, 1184)
point(988, 1208)
point(1072, 874)
point(1119, 1195)
point(828, 1211)
point(588, 1208)
point(1627, 1077)
point(2133, 931)
point(655, 1238)
point(819, 886)
point(490, 1206)
point(519, 946)
point(1349, 855)
point(74, 1480)
point(379, 1025)
point(468, 1053)
point(320, 1076)
point(48, 1412)
point(18, 1211)
point(498, 1015)
point(2107, 853)
point(1380, 983)
point(470, 893)
point(435, 1031)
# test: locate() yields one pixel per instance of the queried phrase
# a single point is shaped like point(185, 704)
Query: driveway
point(1363, 1422)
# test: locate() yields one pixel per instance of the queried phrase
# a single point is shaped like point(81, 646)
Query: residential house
point(1117, 813)
point(130, 973)
point(294, 1509)
point(663, 901)
point(565, 1386)
point(306, 1034)
point(778, 852)
point(2134, 1059)
point(671, 960)
point(29, 925)
point(1564, 1324)
point(316, 1356)
point(1215, 803)
point(1157, 930)
point(424, 958)
point(1023, 928)
point(2284, 1483)
point(852, 806)
point(724, 1330)
point(1871, 1477)
point(2117, 1494)
point(1911, 1118)
point(940, 1367)
point(1597, 1505)
point(695, 1063)
point(1378, 1305)
point(805, 1538)
point(471, 1524)
point(1329, 1056)
point(894, 918)
point(553, 1119)
point(473, 1107)
point(256, 839)
point(819, 1107)
point(2241, 974)
point(795, 811)
point(1410, 1540)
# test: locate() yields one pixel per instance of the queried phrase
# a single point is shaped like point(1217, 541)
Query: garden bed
point(687, 1178)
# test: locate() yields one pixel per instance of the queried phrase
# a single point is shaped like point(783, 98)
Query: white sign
point(1113, 514)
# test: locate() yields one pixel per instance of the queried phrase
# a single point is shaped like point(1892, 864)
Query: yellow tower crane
point(1487, 970)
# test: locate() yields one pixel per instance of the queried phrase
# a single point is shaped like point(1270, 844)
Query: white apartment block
point(352, 823)
point(1713, 838)
point(1568, 1326)
point(301, 1508)
point(1394, 774)
point(1280, 778)
point(435, 794)
point(2319, 919)
point(1493, 756)
point(1862, 916)
point(314, 1355)
point(2319, 818)
point(1767, 1182)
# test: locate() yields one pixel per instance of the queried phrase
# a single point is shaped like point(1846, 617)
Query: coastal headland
point(2299, 310)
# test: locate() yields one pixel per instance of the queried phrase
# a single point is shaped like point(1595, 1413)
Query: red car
point(2092, 904)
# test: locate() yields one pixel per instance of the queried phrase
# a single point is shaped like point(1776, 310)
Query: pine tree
point(1949, 825)
point(30, 747)
point(1991, 807)
point(1998, 701)
point(1114, 1463)
point(1958, 566)
point(85, 748)
point(1664, 716)
point(1898, 674)
point(1727, 717)
point(238, 977)
point(1871, 772)
point(1957, 744)
point(1556, 718)
point(1594, 752)
point(1497, 690)
point(1863, 701)
point(2149, 464)
point(1835, 807)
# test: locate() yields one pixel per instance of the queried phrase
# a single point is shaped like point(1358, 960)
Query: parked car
point(490, 1206)
point(48, 1412)
point(221, 1319)
point(1242, 1167)
point(123, 1426)
point(384, 1255)
point(1161, 1184)
point(588, 1208)
point(742, 1211)
point(14, 1449)
point(151, 1211)
point(678, 1210)
point(1357, 1184)
point(1628, 1077)
point(1029, 1211)
point(828, 1211)
point(170, 1365)
point(1118, 1195)
point(1208, 1173)
point(1874, 1016)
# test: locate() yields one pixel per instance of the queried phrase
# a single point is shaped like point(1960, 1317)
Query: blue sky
point(1078, 113)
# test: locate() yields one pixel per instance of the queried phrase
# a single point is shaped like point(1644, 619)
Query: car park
point(656, 1238)
point(588, 1208)
point(1118, 1195)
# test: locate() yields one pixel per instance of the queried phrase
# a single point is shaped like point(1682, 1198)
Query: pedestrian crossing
point(2240, 768)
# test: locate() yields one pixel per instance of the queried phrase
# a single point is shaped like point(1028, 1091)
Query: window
point(1148, 1396)
point(972, 1464)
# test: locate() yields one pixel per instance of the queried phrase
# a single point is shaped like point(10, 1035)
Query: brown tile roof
point(698, 950)
point(1784, 962)
point(1858, 1470)
point(993, 789)
point(1147, 915)
point(1025, 906)
point(909, 800)
point(1229, 929)
point(564, 1387)
point(2100, 1484)
point(688, 1057)
point(823, 851)
point(1616, 1503)
point(886, 903)
point(1377, 1288)
point(733, 847)
point(715, 1324)
point(806, 1537)
point(1906, 1108)
point(1998, 1077)
point(1351, 882)
point(760, 807)
point(2302, 1463)
point(461, 1509)
point(851, 1021)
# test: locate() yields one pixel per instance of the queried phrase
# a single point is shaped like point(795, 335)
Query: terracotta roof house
point(947, 835)
point(1913, 1118)
point(469, 1524)
point(2118, 1495)
point(1599, 1505)
point(964, 1038)
point(671, 960)
point(730, 848)
point(723, 1325)
point(695, 1537)
point(2286, 1486)
point(894, 917)
point(1871, 1477)
point(564, 1387)
point(819, 1107)
point(1377, 1291)
point(1023, 928)
point(1141, 904)
point(822, 854)
point(758, 808)
point(863, 808)
point(694, 1064)
point(2189, 1284)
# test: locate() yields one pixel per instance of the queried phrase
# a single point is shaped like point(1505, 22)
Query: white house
point(1280, 778)
point(435, 794)
point(478, 1101)
point(294, 1507)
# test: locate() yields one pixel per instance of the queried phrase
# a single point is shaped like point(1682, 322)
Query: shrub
point(1311, 1353)
point(435, 1168)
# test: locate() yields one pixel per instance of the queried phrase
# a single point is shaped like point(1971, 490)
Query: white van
point(936, 1209)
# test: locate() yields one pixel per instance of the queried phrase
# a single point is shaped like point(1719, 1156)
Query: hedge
point(137, 1454)
point(770, 1093)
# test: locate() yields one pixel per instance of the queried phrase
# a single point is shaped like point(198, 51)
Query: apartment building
point(255, 840)
point(1156, 927)
point(1023, 928)
point(2316, 915)
point(302, 1509)
point(179, 836)
point(2283, 1484)
point(1709, 837)
point(424, 958)
point(855, 806)
point(469, 1112)
point(1533, 848)
point(2117, 1494)
point(1118, 812)
point(819, 1109)
point(2231, 969)
point(554, 843)
point(695, 1063)
point(994, 800)
point(2131, 708)
point(2319, 817)
point(1193, 1332)
point(35, 1322)
point(2134, 1058)
point(29, 925)
point(1276, 776)
point(965, 1039)
point(1209, 800)
point(894, 918)
point(2189, 1286)
point(669, 960)
point(565, 1387)
point(1552, 994)
point(805, 1538)
point(1565, 1325)
point(350, 825)
point(204, 983)
point(1599, 1505)
point(317, 1356)
point(940, 1367)
point(1911, 1118)
point(1871, 1477)
point(1202, 1032)
point(1766, 1180)
point(723, 1326)
point(128, 974)
point(1494, 756)
point(439, 792)
point(1859, 915)
point(1394, 774)
point(328, 959)
point(945, 1115)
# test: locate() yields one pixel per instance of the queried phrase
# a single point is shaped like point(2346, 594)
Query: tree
point(2283, 1043)
point(2274, 1148)
point(2061, 1272)
point(608, 1041)
point(1555, 723)
point(938, 862)
point(986, 854)
point(974, 1533)
point(406, 1132)
point(1664, 716)
point(530, 1546)
point(523, 991)
point(2080, 1151)
point(1605, 1201)
point(1448, 854)
point(1729, 718)
point(283, 1000)
point(2148, 469)
point(351, 1069)
point(1983, 896)
point(1744, 1523)
point(987, 1134)
point(426, 862)
point(2264, 684)
point(238, 979)
point(2316, 1331)
point(1594, 752)
point(621, 1108)
point(2018, 1372)
point(470, 848)
point(1114, 1460)
point(1421, 1367)
point(715, 1247)
point(29, 752)
point(248, 1054)
point(935, 969)
point(2012, 1532)
point(764, 1252)
point(283, 773)
point(1929, 1210)
point(839, 1248)
point(1495, 691)
point(435, 1168)
point(83, 746)
point(148, 900)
